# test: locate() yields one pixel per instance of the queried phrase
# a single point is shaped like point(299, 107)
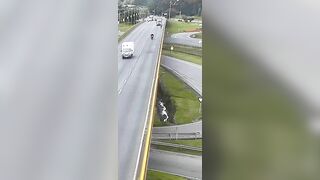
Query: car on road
point(159, 22)
point(151, 18)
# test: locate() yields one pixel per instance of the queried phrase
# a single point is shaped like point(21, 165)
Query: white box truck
point(127, 49)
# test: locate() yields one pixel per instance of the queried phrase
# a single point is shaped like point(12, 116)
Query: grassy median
point(156, 175)
point(186, 102)
point(191, 142)
point(178, 27)
point(177, 149)
point(194, 143)
point(182, 52)
point(183, 56)
point(197, 51)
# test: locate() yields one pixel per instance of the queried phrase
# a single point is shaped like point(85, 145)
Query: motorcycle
point(152, 36)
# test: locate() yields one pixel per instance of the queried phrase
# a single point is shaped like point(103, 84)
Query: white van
point(127, 49)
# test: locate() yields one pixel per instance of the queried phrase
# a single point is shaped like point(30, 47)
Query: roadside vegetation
point(193, 142)
point(178, 27)
point(156, 119)
point(177, 149)
point(183, 56)
point(126, 28)
point(156, 175)
point(197, 51)
point(186, 102)
point(187, 53)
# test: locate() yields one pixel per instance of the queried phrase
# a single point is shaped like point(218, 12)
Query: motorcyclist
point(152, 35)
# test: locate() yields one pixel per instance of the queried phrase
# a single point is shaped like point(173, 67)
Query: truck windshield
point(127, 50)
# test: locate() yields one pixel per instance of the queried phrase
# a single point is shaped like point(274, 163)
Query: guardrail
point(176, 136)
point(181, 146)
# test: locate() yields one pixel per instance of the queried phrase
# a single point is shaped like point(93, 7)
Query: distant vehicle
point(152, 35)
point(159, 22)
point(151, 17)
point(127, 49)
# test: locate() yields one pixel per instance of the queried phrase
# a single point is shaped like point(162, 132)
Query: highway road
point(184, 131)
point(189, 72)
point(135, 77)
point(185, 165)
point(184, 39)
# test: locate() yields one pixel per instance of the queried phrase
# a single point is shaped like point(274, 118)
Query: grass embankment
point(186, 102)
point(178, 27)
point(183, 56)
point(156, 175)
point(195, 143)
point(126, 28)
point(187, 53)
point(254, 127)
point(196, 51)
point(178, 150)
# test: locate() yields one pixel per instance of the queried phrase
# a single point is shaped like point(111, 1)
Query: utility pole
point(171, 7)
point(170, 10)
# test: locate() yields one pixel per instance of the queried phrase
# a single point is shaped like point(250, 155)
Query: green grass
point(178, 150)
point(156, 175)
point(156, 119)
point(177, 27)
point(183, 56)
point(187, 103)
point(124, 27)
point(184, 49)
point(255, 128)
point(195, 142)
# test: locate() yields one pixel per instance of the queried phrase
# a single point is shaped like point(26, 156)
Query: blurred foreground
point(261, 91)
point(57, 79)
